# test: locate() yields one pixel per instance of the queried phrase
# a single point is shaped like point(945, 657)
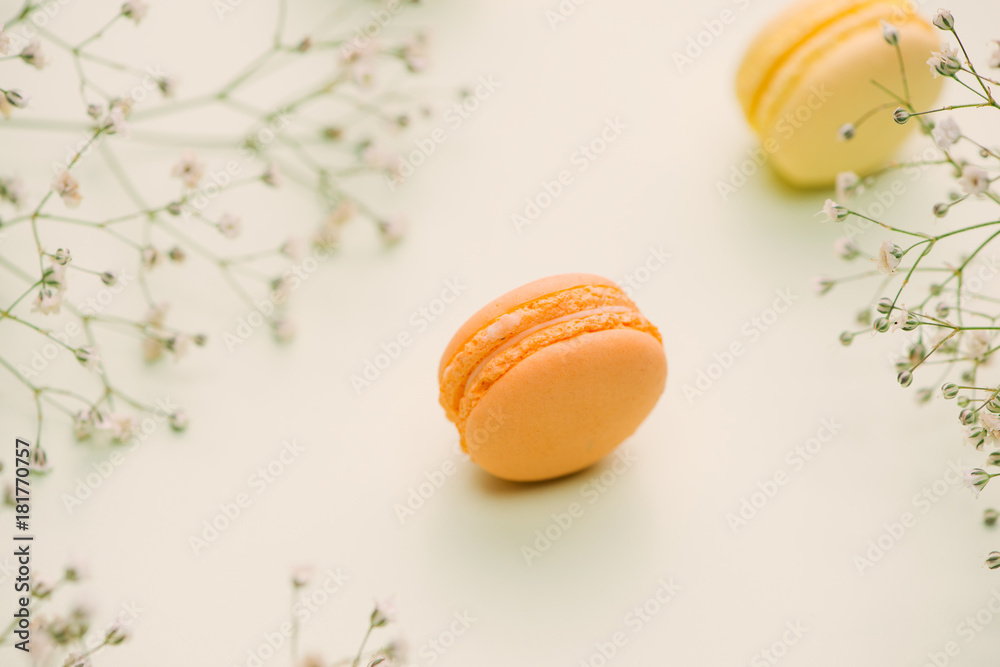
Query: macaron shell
point(780, 36)
point(567, 406)
point(805, 150)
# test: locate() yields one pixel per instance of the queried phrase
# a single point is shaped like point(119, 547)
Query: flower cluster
point(70, 636)
point(67, 297)
point(952, 318)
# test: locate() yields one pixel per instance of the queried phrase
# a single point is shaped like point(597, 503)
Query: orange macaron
point(551, 377)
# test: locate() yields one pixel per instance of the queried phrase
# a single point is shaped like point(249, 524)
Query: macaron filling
point(467, 359)
point(515, 340)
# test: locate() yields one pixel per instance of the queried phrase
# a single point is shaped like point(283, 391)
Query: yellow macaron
point(810, 71)
point(551, 377)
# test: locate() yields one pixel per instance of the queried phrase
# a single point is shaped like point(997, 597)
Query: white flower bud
point(944, 20)
point(846, 132)
point(889, 33)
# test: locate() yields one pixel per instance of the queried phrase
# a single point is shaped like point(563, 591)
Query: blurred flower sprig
point(357, 85)
point(67, 635)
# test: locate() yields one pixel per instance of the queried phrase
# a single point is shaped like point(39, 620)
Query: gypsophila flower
point(847, 185)
point(41, 588)
point(282, 287)
point(360, 62)
point(115, 635)
point(179, 345)
point(821, 285)
point(832, 212)
point(12, 190)
point(294, 248)
point(87, 357)
point(946, 133)
point(189, 169)
point(975, 480)
point(116, 123)
point(974, 180)
point(976, 343)
point(54, 277)
point(944, 62)
point(39, 460)
point(846, 132)
point(176, 254)
point(993, 560)
point(109, 278)
point(943, 20)
point(414, 53)
point(62, 257)
point(377, 158)
point(68, 188)
point(48, 301)
point(975, 436)
point(328, 234)
point(383, 613)
point(157, 315)
point(135, 10)
point(229, 225)
point(83, 424)
point(4, 42)
point(897, 318)
point(77, 660)
point(994, 60)
point(845, 249)
point(151, 257)
point(5, 108)
point(167, 85)
point(152, 348)
point(178, 421)
point(890, 33)
point(990, 516)
point(302, 575)
point(16, 98)
point(33, 55)
point(272, 175)
point(342, 212)
point(900, 115)
point(886, 260)
point(391, 230)
point(284, 330)
point(119, 427)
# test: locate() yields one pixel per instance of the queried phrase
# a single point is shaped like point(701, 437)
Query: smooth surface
point(736, 276)
point(567, 406)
